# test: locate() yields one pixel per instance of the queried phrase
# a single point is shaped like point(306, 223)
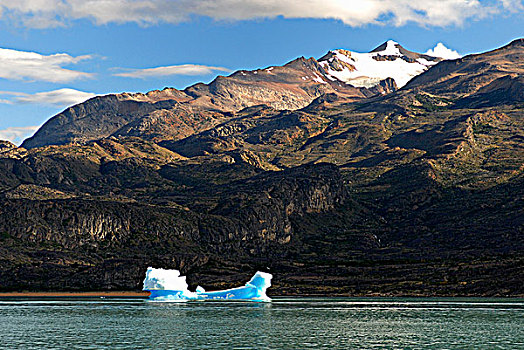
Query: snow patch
point(319, 79)
point(391, 49)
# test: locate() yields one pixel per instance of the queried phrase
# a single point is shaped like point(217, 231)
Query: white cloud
point(17, 134)
point(23, 65)
point(49, 13)
point(513, 5)
point(184, 69)
point(442, 51)
point(60, 97)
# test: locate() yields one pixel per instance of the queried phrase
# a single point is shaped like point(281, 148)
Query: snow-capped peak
point(391, 49)
point(389, 60)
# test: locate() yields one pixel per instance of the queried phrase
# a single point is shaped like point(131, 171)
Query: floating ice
point(168, 285)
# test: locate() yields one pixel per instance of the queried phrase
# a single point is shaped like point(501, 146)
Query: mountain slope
point(161, 114)
point(467, 75)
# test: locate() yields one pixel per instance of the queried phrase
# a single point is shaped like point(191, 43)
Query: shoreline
point(145, 295)
point(75, 294)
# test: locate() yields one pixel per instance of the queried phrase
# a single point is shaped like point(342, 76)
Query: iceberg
point(168, 285)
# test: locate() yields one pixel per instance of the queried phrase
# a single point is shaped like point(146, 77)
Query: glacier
point(169, 285)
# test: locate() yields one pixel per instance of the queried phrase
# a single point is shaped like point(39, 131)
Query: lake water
point(286, 323)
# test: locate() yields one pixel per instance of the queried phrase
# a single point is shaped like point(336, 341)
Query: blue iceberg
point(168, 285)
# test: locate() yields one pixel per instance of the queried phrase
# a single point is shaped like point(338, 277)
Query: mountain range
point(172, 113)
point(381, 173)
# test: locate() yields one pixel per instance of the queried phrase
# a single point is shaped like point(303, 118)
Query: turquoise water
point(286, 323)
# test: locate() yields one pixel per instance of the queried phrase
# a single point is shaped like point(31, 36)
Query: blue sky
point(54, 53)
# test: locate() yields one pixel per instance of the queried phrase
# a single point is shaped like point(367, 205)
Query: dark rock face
point(384, 87)
point(417, 191)
point(274, 196)
point(252, 217)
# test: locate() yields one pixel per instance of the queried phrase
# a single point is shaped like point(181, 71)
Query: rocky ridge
point(173, 114)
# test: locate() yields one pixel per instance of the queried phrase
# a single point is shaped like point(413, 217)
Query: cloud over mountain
point(60, 97)
point(25, 65)
point(17, 134)
point(184, 69)
point(442, 51)
point(52, 13)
